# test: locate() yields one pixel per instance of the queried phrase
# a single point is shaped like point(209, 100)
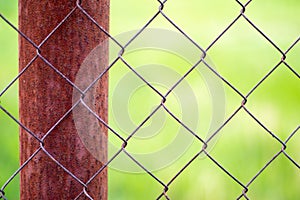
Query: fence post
point(45, 96)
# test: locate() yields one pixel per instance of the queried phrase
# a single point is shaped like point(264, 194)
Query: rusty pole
point(45, 97)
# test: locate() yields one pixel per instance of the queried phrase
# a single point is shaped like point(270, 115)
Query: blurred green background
point(242, 56)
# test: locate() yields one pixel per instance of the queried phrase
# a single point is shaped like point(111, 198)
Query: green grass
point(242, 56)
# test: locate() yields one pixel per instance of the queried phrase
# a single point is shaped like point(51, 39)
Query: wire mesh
point(203, 143)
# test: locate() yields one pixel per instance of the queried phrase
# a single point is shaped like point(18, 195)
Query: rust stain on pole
point(45, 97)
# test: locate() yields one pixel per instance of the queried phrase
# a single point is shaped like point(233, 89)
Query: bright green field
point(242, 56)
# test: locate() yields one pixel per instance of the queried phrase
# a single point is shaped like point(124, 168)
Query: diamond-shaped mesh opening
point(248, 142)
point(202, 101)
point(247, 57)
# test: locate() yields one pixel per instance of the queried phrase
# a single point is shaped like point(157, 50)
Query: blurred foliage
point(242, 56)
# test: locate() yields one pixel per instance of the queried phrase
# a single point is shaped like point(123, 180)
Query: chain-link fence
point(250, 102)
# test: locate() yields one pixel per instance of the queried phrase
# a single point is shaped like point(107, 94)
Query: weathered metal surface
point(45, 97)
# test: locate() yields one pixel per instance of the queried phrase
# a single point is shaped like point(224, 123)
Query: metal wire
point(205, 142)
